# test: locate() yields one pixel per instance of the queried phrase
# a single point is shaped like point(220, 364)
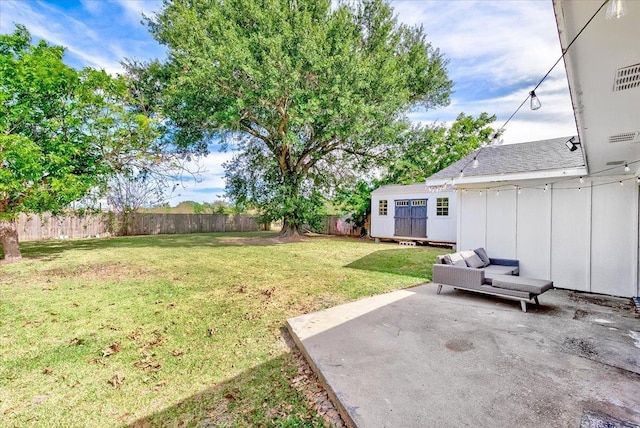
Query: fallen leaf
point(114, 348)
point(47, 371)
point(98, 361)
point(77, 341)
point(160, 385)
point(211, 331)
point(116, 380)
point(148, 364)
point(53, 313)
point(177, 352)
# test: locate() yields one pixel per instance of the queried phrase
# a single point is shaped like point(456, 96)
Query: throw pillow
point(471, 259)
point(455, 259)
point(483, 256)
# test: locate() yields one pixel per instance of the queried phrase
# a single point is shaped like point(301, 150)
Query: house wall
point(583, 240)
point(439, 228)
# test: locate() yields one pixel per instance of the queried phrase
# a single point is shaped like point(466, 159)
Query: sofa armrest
point(505, 262)
point(458, 276)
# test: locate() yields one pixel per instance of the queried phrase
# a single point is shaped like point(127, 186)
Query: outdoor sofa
point(475, 271)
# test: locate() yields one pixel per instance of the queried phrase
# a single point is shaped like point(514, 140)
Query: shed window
point(402, 203)
point(442, 206)
point(382, 207)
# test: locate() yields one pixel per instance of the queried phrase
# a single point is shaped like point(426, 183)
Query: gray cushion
point(455, 259)
point(483, 256)
point(492, 270)
point(471, 259)
point(529, 285)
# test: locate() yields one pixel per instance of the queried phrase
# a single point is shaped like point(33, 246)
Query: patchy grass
point(178, 330)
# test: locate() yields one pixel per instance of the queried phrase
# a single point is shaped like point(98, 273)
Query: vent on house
point(621, 138)
point(627, 78)
point(614, 163)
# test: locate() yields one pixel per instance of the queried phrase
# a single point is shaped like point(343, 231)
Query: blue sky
point(497, 52)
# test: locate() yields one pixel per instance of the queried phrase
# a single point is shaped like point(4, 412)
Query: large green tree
point(305, 90)
point(417, 153)
point(63, 132)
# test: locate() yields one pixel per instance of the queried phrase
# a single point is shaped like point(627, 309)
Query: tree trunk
point(9, 240)
point(289, 229)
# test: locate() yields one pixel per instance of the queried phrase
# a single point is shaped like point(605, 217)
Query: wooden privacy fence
point(156, 224)
point(46, 226)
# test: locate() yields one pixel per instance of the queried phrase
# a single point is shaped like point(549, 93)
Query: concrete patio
point(412, 358)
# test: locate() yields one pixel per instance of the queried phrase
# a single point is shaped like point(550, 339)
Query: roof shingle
point(533, 156)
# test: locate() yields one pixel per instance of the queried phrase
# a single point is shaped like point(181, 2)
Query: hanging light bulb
point(497, 193)
point(475, 162)
point(535, 102)
point(579, 189)
point(519, 190)
point(621, 183)
point(626, 168)
point(615, 10)
point(546, 187)
point(461, 174)
point(581, 180)
point(481, 193)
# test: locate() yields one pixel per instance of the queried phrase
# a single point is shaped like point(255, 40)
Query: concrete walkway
point(412, 358)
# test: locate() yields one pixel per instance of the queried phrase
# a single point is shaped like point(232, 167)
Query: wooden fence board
point(45, 226)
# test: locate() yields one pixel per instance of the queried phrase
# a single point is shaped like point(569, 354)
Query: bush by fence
point(38, 227)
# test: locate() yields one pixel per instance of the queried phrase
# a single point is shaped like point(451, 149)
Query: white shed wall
point(439, 228)
point(583, 240)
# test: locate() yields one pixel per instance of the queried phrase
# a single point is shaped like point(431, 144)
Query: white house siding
point(533, 239)
point(439, 228)
point(501, 222)
point(614, 241)
point(472, 215)
point(583, 240)
point(570, 236)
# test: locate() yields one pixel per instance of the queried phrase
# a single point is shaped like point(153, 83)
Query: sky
point(497, 51)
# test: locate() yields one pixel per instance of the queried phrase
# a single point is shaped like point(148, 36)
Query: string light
point(626, 167)
point(475, 162)
point(581, 180)
point(621, 183)
point(535, 101)
point(616, 10)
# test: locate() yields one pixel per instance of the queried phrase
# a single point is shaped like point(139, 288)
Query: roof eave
point(518, 176)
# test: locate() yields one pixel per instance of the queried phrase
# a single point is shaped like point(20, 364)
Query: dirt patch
point(101, 271)
point(607, 301)
point(276, 240)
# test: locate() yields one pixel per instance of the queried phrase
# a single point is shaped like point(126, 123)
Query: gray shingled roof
point(514, 158)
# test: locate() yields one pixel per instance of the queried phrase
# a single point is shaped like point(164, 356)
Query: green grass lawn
point(175, 330)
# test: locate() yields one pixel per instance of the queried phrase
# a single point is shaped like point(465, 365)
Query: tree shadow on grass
point(260, 396)
point(415, 262)
point(52, 248)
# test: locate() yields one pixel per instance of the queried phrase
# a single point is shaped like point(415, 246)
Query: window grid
point(402, 203)
point(442, 206)
point(382, 207)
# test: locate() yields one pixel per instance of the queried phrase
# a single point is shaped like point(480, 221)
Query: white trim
point(533, 175)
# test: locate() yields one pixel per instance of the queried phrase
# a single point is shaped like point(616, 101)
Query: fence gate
point(411, 218)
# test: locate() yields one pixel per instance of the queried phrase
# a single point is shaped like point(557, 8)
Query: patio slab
point(412, 358)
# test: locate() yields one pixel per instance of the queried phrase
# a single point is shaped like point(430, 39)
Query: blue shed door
point(411, 218)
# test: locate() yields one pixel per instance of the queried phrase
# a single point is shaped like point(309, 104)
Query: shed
point(412, 213)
